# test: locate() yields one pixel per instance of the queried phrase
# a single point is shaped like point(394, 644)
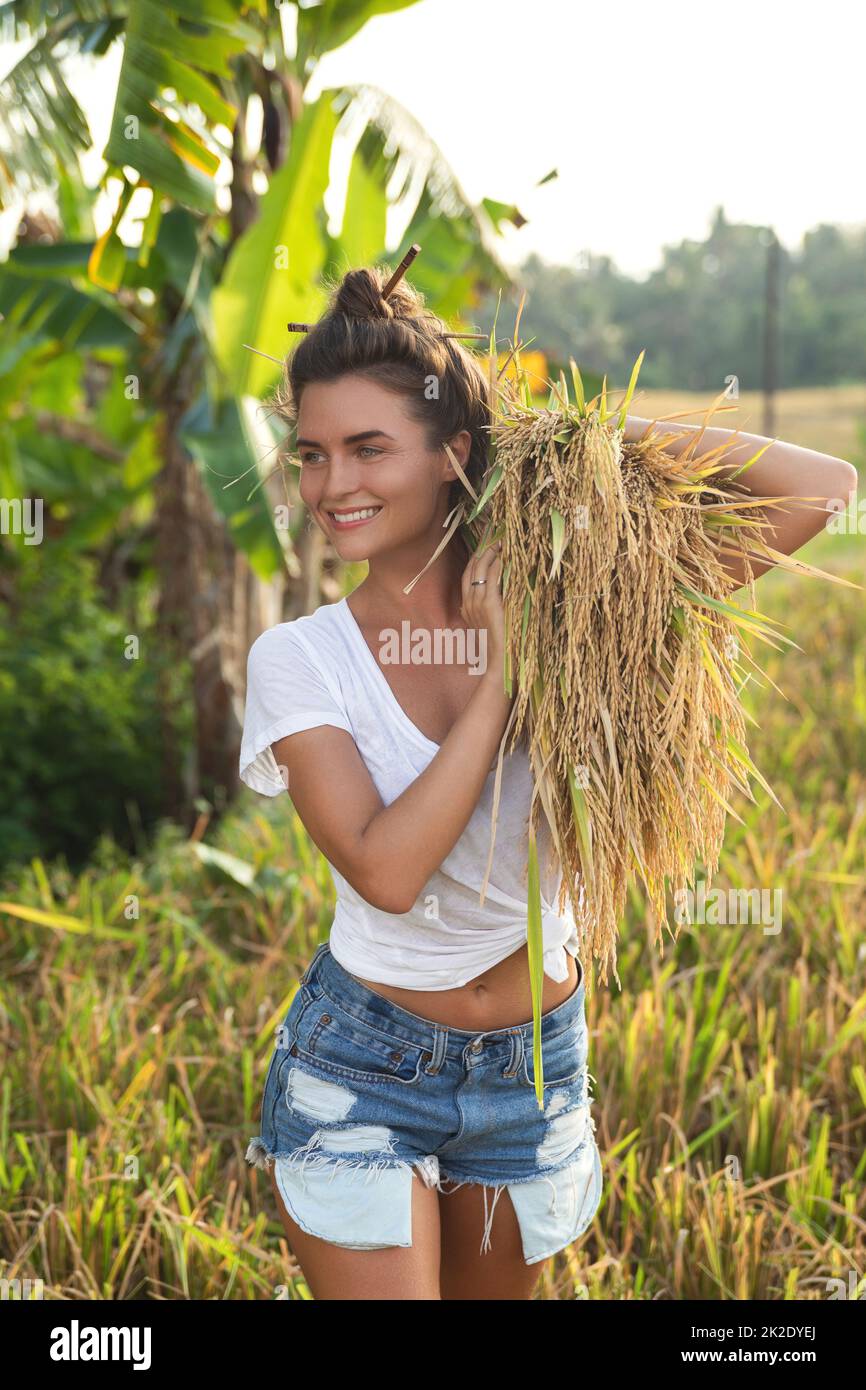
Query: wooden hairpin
point(401, 269)
point(394, 280)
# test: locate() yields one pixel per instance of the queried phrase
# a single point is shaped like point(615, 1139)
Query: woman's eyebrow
point(349, 439)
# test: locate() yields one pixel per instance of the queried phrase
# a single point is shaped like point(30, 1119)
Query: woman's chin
point(350, 547)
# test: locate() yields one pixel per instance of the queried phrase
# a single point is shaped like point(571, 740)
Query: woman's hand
point(482, 607)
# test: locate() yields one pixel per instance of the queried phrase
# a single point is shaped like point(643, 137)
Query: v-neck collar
point(358, 637)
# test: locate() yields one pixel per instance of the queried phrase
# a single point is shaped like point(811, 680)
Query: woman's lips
point(340, 525)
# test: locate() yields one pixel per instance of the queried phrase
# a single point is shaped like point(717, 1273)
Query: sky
point(653, 114)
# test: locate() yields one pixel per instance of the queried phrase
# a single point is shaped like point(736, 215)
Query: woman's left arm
point(783, 470)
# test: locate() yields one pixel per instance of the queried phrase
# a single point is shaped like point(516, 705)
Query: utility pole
point(771, 333)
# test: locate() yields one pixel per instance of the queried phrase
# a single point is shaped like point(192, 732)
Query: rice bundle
point(628, 654)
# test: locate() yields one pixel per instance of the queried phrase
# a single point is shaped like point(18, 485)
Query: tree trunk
point(211, 609)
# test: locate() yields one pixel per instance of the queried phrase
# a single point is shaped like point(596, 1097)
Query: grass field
point(139, 999)
point(829, 418)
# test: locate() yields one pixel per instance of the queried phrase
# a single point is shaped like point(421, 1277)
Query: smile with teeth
point(355, 517)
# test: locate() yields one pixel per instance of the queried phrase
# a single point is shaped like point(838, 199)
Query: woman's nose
point(342, 475)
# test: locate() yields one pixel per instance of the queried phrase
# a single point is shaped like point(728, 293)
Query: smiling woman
point(424, 374)
point(404, 1062)
point(385, 480)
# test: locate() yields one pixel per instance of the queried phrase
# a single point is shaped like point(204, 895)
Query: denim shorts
point(360, 1093)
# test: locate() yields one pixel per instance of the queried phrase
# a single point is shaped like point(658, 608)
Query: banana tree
point(215, 150)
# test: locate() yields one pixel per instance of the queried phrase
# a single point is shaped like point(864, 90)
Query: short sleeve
point(286, 692)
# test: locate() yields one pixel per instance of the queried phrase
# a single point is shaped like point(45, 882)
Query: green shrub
point(80, 718)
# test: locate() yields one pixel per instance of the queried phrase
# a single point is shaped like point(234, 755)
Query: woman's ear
point(461, 447)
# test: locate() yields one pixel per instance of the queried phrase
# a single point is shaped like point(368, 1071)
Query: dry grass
point(729, 1076)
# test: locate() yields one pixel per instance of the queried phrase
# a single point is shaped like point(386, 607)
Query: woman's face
point(360, 452)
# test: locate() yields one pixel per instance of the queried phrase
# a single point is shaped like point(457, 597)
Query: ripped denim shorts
point(360, 1093)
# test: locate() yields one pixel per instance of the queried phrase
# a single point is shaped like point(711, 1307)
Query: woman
point(402, 1088)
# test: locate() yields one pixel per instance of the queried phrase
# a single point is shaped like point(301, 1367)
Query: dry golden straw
point(627, 652)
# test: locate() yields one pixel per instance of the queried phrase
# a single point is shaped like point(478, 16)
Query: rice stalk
point(627, 648)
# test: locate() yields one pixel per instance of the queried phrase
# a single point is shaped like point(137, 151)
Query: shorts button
point(396, 1056)
point(477, 1045)
point(326, 1018)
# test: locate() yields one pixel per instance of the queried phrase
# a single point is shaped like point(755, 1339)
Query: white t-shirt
point(319, 669)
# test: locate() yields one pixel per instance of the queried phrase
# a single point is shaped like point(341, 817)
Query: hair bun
point(360, 296)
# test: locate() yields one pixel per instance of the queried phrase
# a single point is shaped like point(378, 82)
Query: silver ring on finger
point(478, 581)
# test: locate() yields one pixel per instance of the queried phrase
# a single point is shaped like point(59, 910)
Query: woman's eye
point(316, 458)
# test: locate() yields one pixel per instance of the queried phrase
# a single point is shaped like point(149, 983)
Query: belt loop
point(440, 1043)
point(309, 970)
point(516, 1060)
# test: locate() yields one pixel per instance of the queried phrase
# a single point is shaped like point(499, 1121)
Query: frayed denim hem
point(521, 1202)
point(540, 1220)
point(303, 1178)
point(260, 1156)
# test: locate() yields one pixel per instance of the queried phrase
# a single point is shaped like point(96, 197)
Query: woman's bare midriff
point(499, 998)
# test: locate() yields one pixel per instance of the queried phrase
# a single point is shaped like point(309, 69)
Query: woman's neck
point(434, 601)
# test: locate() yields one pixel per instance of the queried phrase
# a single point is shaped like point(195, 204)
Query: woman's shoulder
point(315, 641)
point(292, 684)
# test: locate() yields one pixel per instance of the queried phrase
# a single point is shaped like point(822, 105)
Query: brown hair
point(399, 344)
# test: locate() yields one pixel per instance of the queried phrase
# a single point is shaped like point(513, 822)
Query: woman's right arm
point(388, 853)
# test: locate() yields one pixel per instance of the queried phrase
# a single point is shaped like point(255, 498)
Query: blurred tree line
point(700, 314)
